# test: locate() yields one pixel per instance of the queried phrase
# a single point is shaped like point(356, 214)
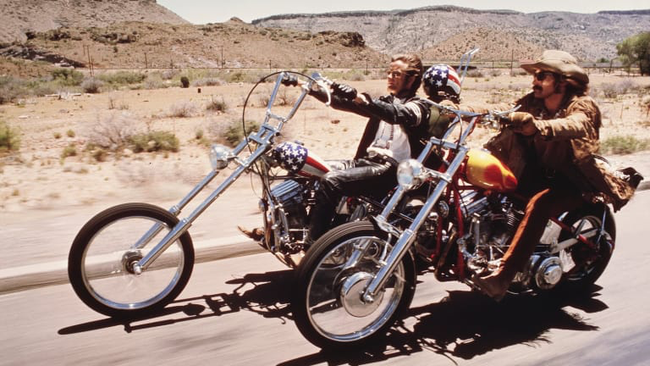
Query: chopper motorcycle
point(135, 258)
point(359, 278)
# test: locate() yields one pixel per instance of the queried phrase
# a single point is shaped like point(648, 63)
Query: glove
point(289, 80)
point(344, 91)
point(523, 123)
point(448, 103)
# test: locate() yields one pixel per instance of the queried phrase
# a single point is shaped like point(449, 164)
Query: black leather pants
point(360, 177)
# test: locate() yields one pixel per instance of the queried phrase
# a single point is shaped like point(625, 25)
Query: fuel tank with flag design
point(296, 159)
point(484, 170)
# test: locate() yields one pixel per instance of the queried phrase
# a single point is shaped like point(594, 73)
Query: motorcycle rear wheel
point(327, 304)
point(101, 253)
point(587, 272)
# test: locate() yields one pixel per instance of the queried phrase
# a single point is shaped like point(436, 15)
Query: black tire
point(582, 278)
point(321, 278)
point(97, 262)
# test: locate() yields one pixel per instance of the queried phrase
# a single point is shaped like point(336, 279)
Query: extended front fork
point(262, 138)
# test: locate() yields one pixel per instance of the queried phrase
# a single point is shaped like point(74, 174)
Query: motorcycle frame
point(406, 237)
point(263, 138)
point(444, 179)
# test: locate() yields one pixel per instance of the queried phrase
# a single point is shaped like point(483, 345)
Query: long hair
point(414, 68)
point(572, 86)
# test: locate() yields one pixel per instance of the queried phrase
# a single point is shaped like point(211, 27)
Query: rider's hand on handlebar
point(290, 80)
point(344, 91)
point(523, 123)
point(448, 103)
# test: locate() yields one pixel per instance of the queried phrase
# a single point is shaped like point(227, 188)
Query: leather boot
point(495, 285)
point(256, 234)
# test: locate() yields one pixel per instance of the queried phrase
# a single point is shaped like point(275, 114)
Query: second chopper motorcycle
point(359, 278)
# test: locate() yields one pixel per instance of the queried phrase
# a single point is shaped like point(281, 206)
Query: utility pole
point(86, 50)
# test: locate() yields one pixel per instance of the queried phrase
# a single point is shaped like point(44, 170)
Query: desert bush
point(645, 104)
point(92, 85)
point(57, 135)
point(182, 110)
point(99, 154)
point(236, 77)
point(207, 81)
point(154, 81)
point(169, 74)
point(154, 141)
point(623, 145)
point(121, 78)
point(285, 98)
point(354, 75)
point(70, 133)
point(235, 131)
point(70, 150)
point(185, 82)
point(612, 90)
point(11, 89)
point(216, 105)
point(113, 104)
point(9, 138)
point(475, 73)
point(110, 131)
point(68, 77)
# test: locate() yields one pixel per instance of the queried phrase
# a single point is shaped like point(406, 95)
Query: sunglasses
point(540, 76)
point(398, 74)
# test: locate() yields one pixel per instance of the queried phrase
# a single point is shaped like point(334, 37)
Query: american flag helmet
point(441, 81)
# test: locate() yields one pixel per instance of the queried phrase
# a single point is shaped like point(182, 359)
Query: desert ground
point(37, 181)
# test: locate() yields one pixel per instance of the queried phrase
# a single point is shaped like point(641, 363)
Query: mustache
point(537, 88)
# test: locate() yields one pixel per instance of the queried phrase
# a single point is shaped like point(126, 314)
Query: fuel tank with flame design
point(484, 170)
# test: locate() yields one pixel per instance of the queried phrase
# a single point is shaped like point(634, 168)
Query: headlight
point(219, 155)
point(410, 174)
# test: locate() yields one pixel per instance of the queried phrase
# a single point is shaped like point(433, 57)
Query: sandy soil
point(37, 184)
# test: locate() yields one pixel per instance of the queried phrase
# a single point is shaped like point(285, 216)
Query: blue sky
point(217, 11)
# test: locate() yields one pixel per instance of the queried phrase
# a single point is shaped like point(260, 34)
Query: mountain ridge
point(587, 36)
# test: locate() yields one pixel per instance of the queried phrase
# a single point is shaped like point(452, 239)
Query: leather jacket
point(412, 113)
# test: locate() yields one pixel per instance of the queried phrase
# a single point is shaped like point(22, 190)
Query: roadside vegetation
point(9, 138)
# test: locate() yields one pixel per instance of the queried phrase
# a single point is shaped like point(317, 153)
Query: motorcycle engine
point(287, 218)
point(491, 221)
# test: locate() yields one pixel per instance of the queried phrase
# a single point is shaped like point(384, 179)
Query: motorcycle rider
point(397, 126)
point(379, 152)
point(397, 123)
point(555, 132)
point(441, 85)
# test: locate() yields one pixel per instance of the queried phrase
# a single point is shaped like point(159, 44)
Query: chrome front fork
point(407, 237)
point(263, 138)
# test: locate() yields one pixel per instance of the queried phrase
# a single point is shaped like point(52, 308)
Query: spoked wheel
point(102, 257)
point(328, 306)
point(584, 265)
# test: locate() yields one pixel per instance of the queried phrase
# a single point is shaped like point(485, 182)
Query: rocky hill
point(233, 44)
point(445, 32)
point(18, 18)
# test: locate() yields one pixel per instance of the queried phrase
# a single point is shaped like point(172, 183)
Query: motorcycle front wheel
point(327, 304)
point(103, 252)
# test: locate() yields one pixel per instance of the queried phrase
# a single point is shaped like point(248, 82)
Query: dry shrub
point(217, 105)
point(182, 110)
point(111, 131)
point(9, 137)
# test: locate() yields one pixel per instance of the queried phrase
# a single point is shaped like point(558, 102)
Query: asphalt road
point(235, 312)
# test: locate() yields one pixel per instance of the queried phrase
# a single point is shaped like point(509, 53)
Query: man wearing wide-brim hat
point(556, 133)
